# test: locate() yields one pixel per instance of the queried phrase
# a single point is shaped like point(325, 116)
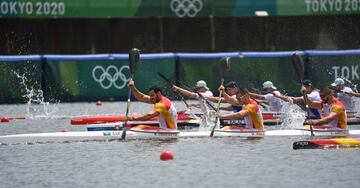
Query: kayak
point(120, 125)
point(118, 118)
point(153, 134)
point(327, 143)
point(326, 131)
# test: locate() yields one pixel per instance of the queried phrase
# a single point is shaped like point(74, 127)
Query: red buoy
point(5, 120)
point(166, 155)
point(98, 103)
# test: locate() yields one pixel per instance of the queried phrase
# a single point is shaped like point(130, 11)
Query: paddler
point(251, 111)
point(202, 91)
point(231, 88)
point(163, 107)
point(344, 94)
point(335, 113)
point(269, 96)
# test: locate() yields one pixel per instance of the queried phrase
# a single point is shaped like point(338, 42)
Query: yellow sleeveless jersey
point(254, 119)
point(336, 107)
point(168, 114)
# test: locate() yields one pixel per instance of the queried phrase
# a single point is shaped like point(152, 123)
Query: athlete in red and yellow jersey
point(334, 110)
point(251, 111)
point(163, 107)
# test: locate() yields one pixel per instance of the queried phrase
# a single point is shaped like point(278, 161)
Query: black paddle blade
point(224, 66)
point(134, 59)
point(298, 64)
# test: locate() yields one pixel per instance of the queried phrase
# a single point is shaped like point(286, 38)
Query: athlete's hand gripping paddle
point(224, 65)
point(134, 59)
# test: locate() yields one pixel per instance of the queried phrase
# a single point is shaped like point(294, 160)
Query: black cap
point(231, 84)
point(306, 83)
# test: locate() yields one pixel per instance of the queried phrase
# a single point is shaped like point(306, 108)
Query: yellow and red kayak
point(327, 143)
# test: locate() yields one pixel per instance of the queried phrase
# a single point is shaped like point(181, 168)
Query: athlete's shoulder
point(314, 95)
point(338, 105)
point(159, 105)
point(347, 89)
point(252, 106)
point(208, 93)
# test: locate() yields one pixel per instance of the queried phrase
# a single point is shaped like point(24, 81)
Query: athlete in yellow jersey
point(251, 111)
point(334, 110)
point(163, 107)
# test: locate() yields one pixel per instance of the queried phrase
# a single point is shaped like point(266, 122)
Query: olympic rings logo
point(109, 77)
point(184, 8)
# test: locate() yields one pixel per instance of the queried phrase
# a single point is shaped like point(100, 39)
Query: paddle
point(134, 59)
point(224, 69)
point(298, 64)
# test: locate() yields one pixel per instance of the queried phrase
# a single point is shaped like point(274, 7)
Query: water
point(199, 162)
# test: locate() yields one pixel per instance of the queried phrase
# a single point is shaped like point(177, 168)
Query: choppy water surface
point(199, 162)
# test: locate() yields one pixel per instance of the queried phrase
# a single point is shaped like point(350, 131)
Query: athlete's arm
point(287, 98)
point(353, 94)
point(312, 104)
point(144, 117)
point(194, 105)
point(297, 100)
point(256, 96)
point(184, 92)
point(229, 99)
point(324, 120)
point(215, 99)
point(138, 95)
point(227, 108)
point(237, 115)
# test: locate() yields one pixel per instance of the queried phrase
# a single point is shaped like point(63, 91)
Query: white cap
point(201, 83)
point(268, 84)
point(338, 81)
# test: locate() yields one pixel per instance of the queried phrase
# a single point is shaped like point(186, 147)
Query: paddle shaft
point(224, 69)
point(134, 59)
point(298, 65)
point(308, 113)
point(217, 110)
point(123, 134)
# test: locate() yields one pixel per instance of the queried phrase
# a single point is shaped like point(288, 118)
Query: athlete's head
point(268, 87)
point(326, 95)
point(306, 86)
point(242, 95)
point(231, 88)
point(339, 84)
point(155, 94)
point(201, 86)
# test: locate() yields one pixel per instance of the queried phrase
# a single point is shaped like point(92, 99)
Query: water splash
point(208, 121)
point(37, 108)
point(293, 116)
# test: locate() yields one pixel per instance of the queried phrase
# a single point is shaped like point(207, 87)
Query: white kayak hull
point(116, 135)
